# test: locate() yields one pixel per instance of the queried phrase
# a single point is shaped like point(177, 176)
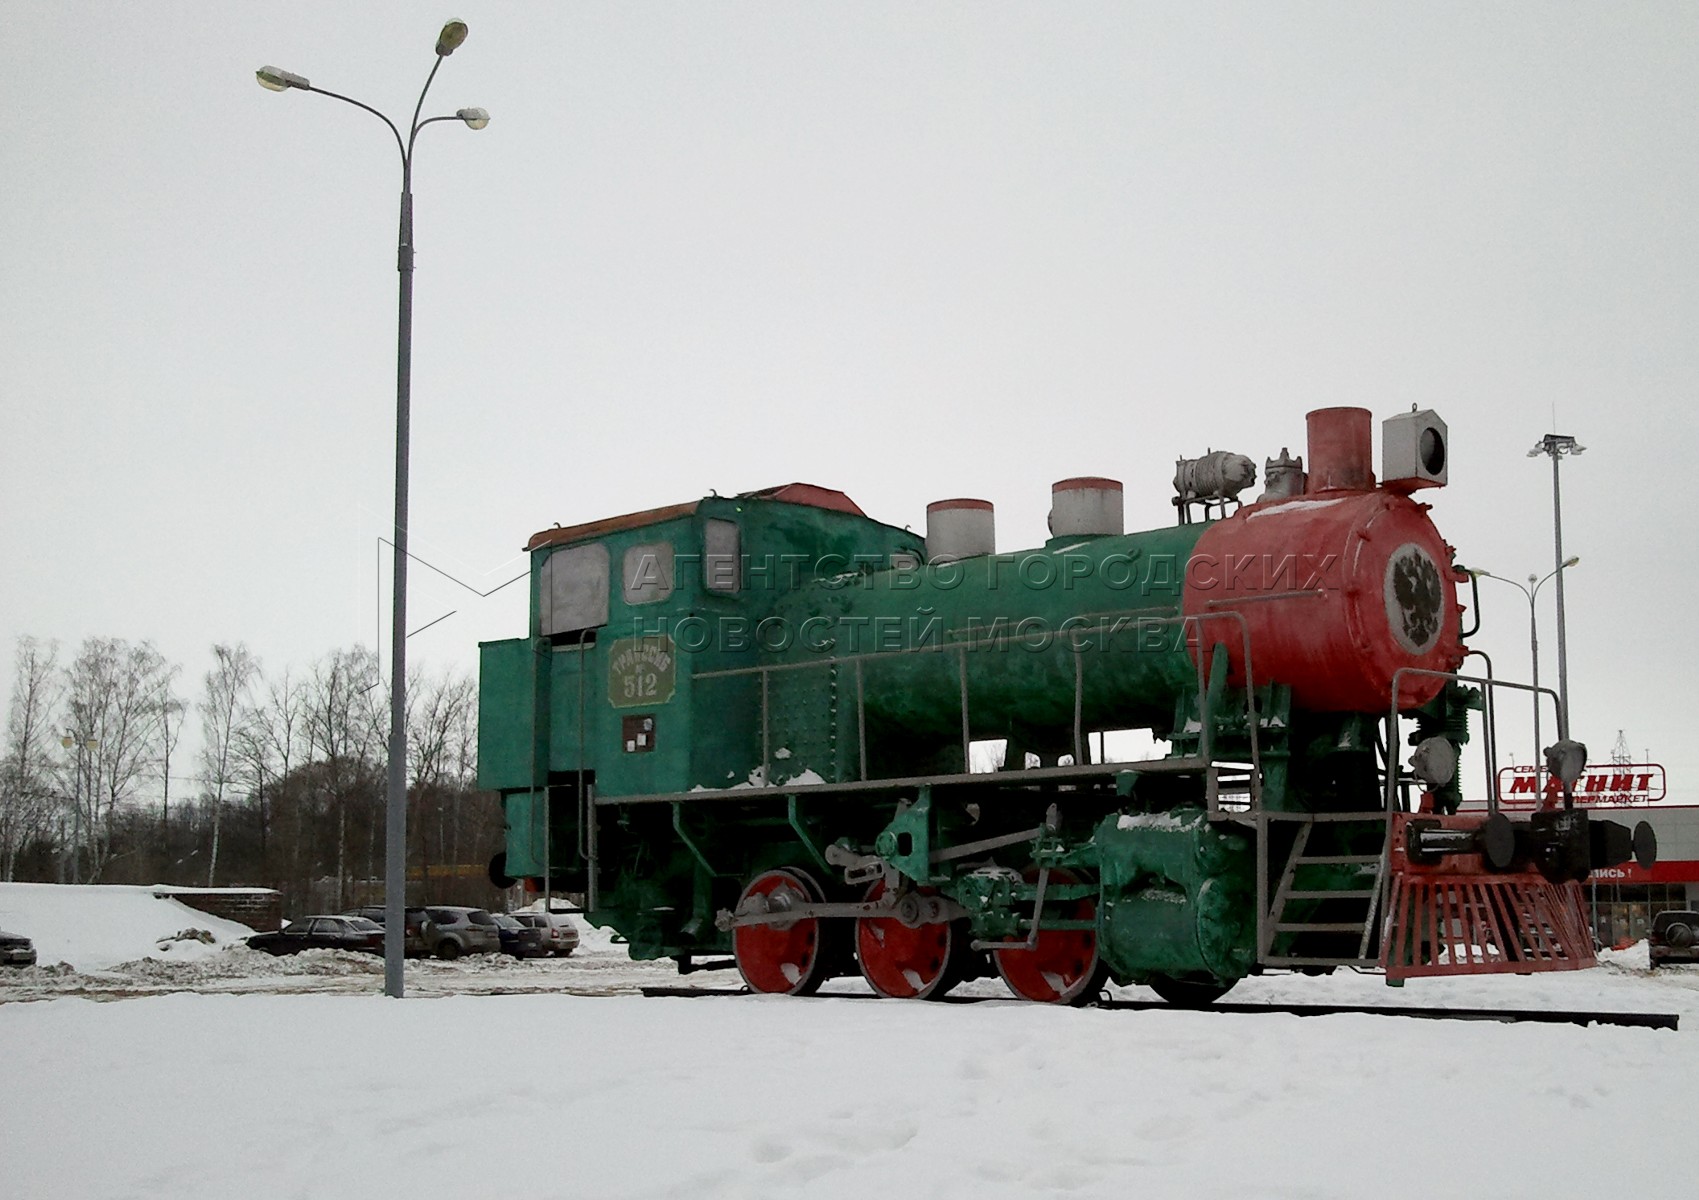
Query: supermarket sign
point(1606, 785)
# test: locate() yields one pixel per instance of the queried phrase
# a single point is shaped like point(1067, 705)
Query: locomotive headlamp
point(1566, 759)
point(1435, 761)
point(1414, 451)
point(275, 79)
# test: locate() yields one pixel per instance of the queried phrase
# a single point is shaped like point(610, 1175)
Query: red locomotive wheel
point(903, 963)
point(782, 959)
point(1064, 967)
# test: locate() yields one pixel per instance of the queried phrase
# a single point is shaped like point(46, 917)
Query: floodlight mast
point(1557, 445)
point(395, 823)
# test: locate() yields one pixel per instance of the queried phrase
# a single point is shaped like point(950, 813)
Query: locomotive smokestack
point(1086, 506)
point(960, 529)
point(1341, 449)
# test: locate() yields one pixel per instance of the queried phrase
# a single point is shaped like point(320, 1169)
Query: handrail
point(1489, 732)
point(1076, 646)
point(1486, 681)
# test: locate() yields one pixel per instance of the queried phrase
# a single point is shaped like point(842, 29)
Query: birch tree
point(28, 798)
point(341, 706)
point(172, 712)
point(112, 708)
point(222, 707)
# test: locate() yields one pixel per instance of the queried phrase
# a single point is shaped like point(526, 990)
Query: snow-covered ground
point(586, 1090)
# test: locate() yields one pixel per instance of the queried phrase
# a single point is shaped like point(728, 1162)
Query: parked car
point(1674, 937)
point(558, 928)
point(16, 950)
point(322, 933)
point(416, 942)
point(454, 930)
point(521, 940)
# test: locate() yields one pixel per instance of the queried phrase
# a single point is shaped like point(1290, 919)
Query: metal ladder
point(1370, 896)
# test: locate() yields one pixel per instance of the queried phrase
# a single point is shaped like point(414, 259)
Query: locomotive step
point(1378, 814)
point(1313, 960)
point(1319, 927)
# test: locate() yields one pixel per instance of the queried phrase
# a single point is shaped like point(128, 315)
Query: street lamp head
point(275, 79)
point(1572, 560)
point(448, 41)
point(475, 118)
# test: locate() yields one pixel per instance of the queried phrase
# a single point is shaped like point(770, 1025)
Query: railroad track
point(1502, 1015)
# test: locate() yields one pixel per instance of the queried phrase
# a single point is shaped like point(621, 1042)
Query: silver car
point(558, 928)
point(452, 930)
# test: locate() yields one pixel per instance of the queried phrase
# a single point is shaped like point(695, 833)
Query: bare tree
point(222, 707)
point(172, 711)
point(269, 744)
point(113, 689)
point(343, 706)
point(27, 795)
point(438, 714)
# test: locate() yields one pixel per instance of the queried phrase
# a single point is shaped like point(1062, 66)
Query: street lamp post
point(395, 824)
point(1531, 590)
point(1557, 445)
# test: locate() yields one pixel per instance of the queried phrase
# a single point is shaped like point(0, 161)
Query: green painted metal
point(793, 815)
point(507, 703)
point(1176, 891)
point(685, 838)
point(1014, 624)
point(906, 843)
point(526, 837)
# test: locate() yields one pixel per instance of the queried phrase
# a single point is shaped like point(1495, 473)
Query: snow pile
point(239, 962)
point(1637, 957)
point(96, 926)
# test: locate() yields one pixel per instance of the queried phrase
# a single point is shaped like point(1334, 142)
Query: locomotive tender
point(765, 726)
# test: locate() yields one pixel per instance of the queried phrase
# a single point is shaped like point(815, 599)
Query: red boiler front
point(1339, 589)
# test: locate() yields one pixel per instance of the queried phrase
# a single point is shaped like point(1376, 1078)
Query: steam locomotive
point(765, 730)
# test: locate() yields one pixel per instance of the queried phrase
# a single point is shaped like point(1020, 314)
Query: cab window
point(573, 589)
point(721, 561)
point(648, 573)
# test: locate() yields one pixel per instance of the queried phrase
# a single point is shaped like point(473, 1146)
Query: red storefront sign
point(1632, 874)
point(1606, 785)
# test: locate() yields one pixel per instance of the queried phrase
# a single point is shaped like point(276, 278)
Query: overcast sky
point(906, 250)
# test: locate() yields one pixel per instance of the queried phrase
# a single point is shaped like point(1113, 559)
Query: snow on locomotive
point(762, 726)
